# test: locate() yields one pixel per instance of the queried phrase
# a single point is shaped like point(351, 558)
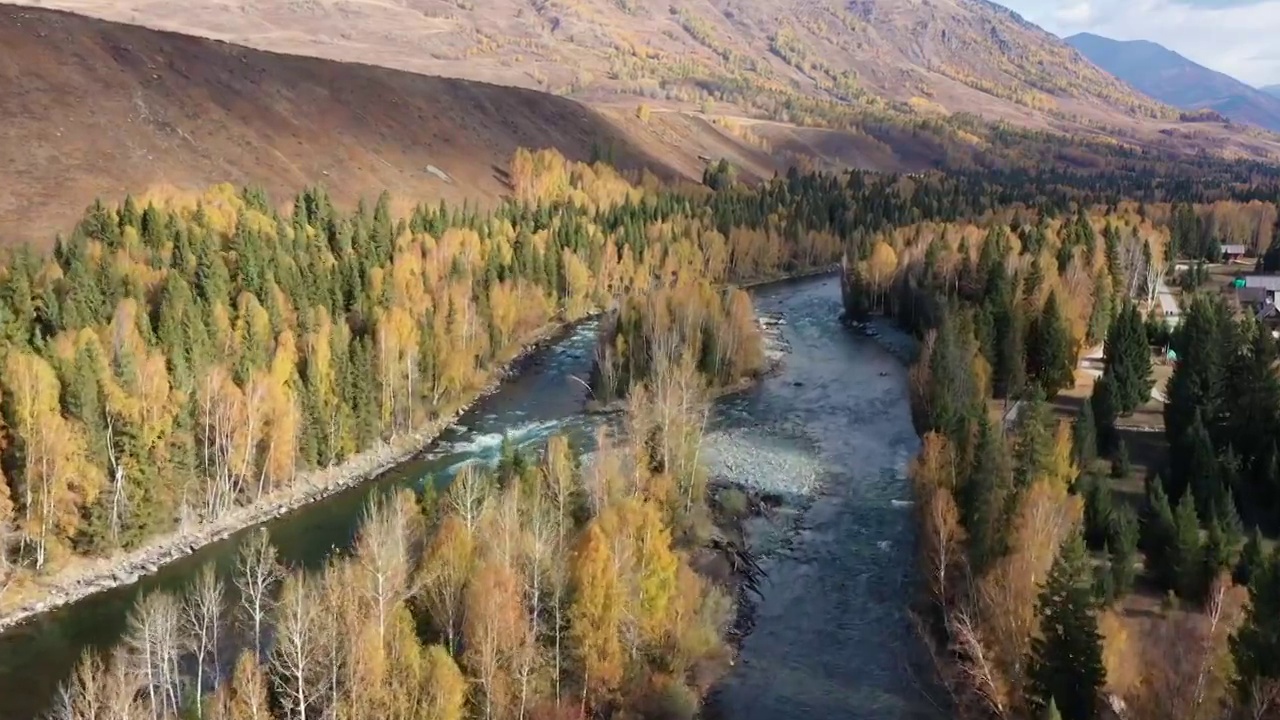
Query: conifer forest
point(175, 361)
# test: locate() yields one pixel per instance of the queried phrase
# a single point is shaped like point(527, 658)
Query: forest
point(172, 361)
point(175, 359)
point(1028, 557)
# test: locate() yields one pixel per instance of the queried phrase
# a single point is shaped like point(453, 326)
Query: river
point(831, 434)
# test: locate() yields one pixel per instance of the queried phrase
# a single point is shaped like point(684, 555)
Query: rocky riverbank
point(90, 577)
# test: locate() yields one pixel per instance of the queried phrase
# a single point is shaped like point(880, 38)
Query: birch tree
point(382, 550)
point(153, 642)
point(202, 610)
point(257, 574)
point(298, 670)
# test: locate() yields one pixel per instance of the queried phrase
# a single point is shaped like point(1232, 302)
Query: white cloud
point(1237, 37)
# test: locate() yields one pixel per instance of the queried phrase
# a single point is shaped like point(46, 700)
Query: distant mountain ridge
point(1171, 78)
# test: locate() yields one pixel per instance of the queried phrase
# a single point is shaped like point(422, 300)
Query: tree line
point(171, 361)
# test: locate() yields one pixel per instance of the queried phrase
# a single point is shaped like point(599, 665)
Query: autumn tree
point(594, 617)
point(442, 578)
point(258, 572)
point(446, 687)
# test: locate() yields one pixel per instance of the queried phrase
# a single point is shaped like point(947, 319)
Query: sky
point(1237, 37)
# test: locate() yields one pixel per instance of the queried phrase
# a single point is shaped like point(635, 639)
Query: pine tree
point(1120, 466)
point(1099, 509)
point(1188, 552)
point(984, 498)
point(1066, 657)
point(1050, 357)
point(1195, 467)
point(1100, 320)
point(1034, 443)
point(1204, 342)
point(1252, 401)
point(1084, 436)
point(1128, 361)
point(1157, 534)
point(1252, 559)
point(1255, 646)
point(1219, 554)
point(1102, 405)
point(1123, 550)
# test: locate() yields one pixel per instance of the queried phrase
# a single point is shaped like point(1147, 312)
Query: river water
point(831, 434)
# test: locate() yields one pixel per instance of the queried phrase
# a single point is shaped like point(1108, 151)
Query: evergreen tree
point(1099, 509)
point(1158, 533)
point(1219, 555)
point(1251, 396)
point(1128, 361)
point(1203, 343)
point(1194, 466)
point(1123, 550)
point(1033, 448)
point(1100, 320)
point(1255, 646)
point(954, 397)
point(1252, 558)
point(1188, 553)
point(1066, 657)
point(1102, 405)
point(1050, 357)
point(1120, 465)
point(1112, 237)
point(985, 497)
point(1084, 436)
point(1034, 279)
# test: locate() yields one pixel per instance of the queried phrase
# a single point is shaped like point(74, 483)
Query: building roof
point(1233, 249)
point(1251, 295)
point(1270, 282)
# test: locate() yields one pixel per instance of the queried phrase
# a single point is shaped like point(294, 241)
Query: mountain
point(1273, 90)
point(104, 97)
point(99, 109)
point(1172, 78)
point(961, 55)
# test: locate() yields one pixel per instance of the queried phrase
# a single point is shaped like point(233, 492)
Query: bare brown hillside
point(965, 53)
point(835, 64)
point(98, 109)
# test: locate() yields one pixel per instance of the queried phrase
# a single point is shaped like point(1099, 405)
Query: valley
point(587, 359)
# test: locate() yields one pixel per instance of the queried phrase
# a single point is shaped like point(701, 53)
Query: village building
point(1269, 284)
point(1231, 253)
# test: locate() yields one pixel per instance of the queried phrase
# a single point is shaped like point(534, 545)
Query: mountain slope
point(1172, 78)
point(961, 55)
point(93, 108)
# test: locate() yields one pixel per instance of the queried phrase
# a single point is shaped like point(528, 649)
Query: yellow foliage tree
point(595, 620)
